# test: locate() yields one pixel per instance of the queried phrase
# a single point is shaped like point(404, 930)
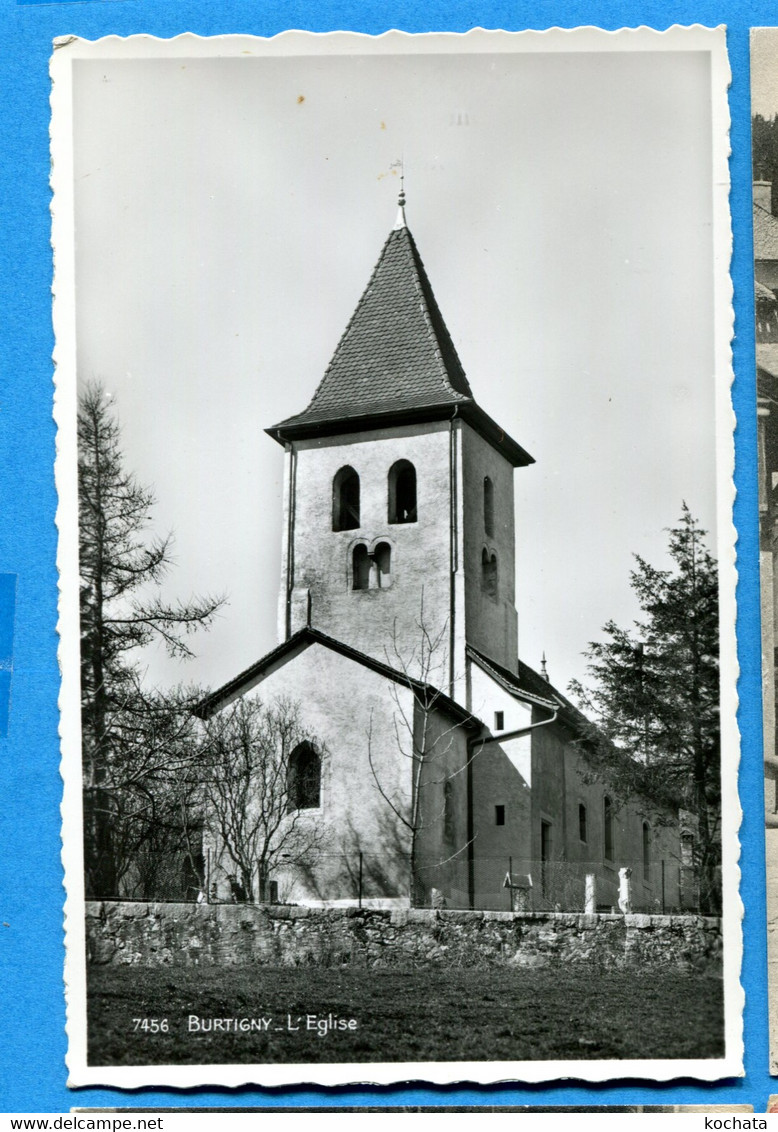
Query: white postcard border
point(70, 49)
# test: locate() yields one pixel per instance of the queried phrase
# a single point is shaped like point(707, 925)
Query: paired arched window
point(488, 507)
point(402, 492)
point(304, 778)
point(489, 578)
point(345, 500)
point(371, 571)
point(607, 828)
point(360, 567)
point(382, 556)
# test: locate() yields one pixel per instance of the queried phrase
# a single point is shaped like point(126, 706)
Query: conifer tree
point(653, 691)
point(135, 740)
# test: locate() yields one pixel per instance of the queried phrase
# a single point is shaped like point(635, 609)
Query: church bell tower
point(399, 532)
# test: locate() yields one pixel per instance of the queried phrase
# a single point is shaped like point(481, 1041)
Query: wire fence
point(500, 883)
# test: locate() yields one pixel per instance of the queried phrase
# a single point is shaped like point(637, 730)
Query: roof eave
point(304, 428)
point(298, 428)
point(309, 636)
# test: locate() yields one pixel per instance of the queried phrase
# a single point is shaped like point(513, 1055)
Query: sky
point(229, 212)
point(764, 75)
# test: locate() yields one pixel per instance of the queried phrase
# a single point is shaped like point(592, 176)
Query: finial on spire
point(543, 669)
point(400, 221)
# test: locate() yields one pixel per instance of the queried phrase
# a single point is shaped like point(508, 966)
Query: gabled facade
point(446, 764)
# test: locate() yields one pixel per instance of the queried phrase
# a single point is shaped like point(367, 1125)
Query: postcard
point(396, 557)
point(764, 105)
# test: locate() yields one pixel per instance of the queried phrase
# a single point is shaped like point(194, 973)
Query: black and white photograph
point(397, 566)
point(764, 134)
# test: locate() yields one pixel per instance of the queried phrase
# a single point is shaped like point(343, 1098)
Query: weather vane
point(400, 164)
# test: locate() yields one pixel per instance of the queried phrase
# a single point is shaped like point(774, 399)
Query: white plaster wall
point(421, 552)
point(341, 702)
point(502, 776)
point(490, 625)
point(488, 697)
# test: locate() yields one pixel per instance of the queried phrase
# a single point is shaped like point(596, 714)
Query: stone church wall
point(563, 781)
point(156, 935)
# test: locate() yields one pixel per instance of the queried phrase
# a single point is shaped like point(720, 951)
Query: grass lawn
point(402, 1015)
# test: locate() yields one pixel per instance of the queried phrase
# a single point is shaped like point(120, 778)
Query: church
point(443, 771)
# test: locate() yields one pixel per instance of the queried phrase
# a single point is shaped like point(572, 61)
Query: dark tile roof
point(765, 234)
point(530, 685)
point(396, 351)
point(300, 640)
point(511, 681)
point(396, 361)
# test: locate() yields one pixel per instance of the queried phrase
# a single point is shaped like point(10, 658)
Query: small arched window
point(345, 500)
point(360, 567)
point(646, 852)
point(489, 580)
point(488, 507)
point(607, 828)
point(402, 492)
point(382, 556)
point(304, 778)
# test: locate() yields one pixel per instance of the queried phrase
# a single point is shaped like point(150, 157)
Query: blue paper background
point(32, 1037)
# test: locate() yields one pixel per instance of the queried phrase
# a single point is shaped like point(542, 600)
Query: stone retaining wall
point(156, 935)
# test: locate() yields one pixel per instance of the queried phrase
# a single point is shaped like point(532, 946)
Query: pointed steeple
point(395, 362)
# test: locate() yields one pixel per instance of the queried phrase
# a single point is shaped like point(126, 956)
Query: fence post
point(360, 878)
point(625, 890)
point(590, 894)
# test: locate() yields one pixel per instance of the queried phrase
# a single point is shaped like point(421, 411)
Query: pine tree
point(136, 741)
point(653, 691)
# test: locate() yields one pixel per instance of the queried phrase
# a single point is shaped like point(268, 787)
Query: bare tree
point(148, 797)
point(427, 746)
point(261, 773)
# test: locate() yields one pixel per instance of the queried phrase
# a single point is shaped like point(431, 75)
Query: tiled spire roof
point(395, 360)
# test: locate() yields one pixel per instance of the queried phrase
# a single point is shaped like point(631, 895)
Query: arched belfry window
point(488, 507)
point(304, 778)
point(489, 579)
point(345, 500)
point(360, 567)
point(402, 492)
point(607, 828)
